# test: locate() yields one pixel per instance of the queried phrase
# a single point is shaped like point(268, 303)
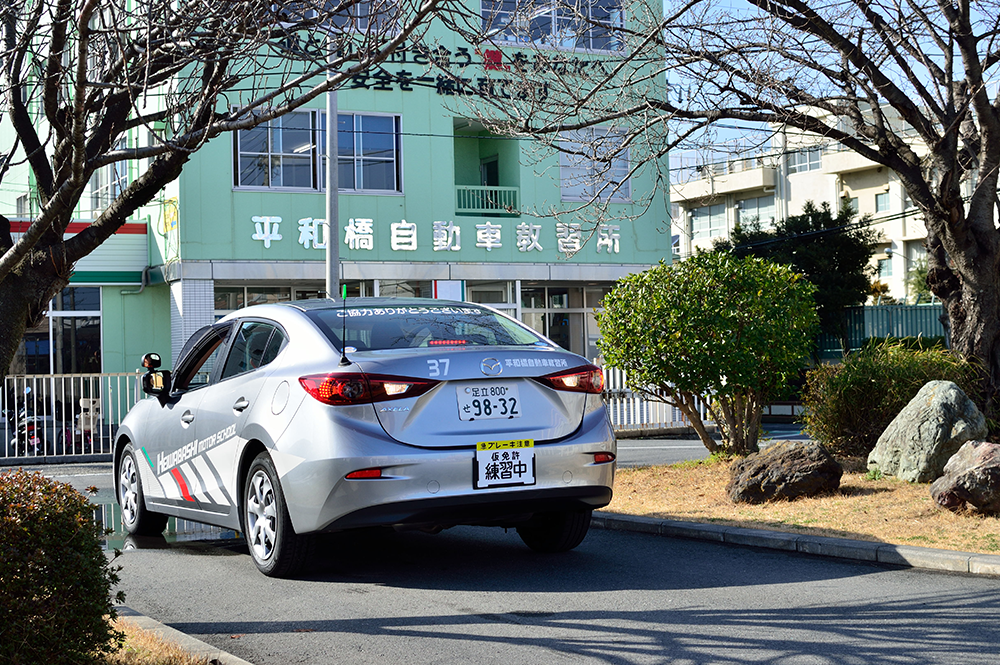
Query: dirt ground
point(885, 510)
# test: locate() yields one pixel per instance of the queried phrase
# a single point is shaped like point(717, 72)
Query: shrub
point(848, 406)
point(716, 329)
point(913, 343)
point(56, 604)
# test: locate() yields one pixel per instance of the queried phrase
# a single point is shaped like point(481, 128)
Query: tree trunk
point(739, 422)
point(966, 278)
point(688, 404)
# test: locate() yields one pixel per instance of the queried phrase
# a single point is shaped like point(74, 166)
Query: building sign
point(443, 236)
point(409, 67)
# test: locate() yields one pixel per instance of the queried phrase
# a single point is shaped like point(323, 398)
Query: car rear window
point(376, 328)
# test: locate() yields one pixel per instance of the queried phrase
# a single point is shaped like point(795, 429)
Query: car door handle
point(188, 417)
point(241, 404)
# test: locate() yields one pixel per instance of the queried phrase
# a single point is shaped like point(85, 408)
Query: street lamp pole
point(332, 193)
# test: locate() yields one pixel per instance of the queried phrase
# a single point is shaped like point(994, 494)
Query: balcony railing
point(487, 200)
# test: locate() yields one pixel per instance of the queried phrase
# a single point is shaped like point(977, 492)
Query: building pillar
point(192, 306)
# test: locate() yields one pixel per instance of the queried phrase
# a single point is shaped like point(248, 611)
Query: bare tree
point(908, 84)
point(80, 75)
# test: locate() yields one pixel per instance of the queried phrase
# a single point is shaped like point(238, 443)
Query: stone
point(972, 475)
point(927, 432)
point(784, 470)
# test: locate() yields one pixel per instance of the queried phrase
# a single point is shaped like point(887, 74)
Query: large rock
point(972, 475)
point(784, 470)
point(927, 432)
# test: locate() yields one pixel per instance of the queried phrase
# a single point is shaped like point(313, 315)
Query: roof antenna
point(344, 362)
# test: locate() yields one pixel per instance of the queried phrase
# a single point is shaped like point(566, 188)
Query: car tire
point(136, 519)
point(555, 532)
point(276, 549)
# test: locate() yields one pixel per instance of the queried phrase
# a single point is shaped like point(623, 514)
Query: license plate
point(487, 401)
point(504, 463)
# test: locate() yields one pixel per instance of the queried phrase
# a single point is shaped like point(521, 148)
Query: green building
point(430, 205)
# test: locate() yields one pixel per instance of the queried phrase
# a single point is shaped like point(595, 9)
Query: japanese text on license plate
point(505, 463)
point(486, 401)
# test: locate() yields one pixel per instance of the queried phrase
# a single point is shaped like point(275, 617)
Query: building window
point(853, 203)
point(368, 152)
point(589, 24)
point(593, 165)
point(884, 268)
point(760, 209)
point(108, 182)
point(278, 154)
point(882, 202)
point(379, 15)
point(800, 161)
point(282, 154)
point(68, 340)
point(708, 221)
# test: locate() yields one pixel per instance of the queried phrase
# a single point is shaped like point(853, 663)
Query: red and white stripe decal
point(175, 472)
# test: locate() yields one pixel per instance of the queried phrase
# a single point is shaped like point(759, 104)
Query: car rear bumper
point(435, 487)
point(496, 509)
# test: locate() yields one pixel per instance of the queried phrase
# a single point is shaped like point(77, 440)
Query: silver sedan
point(291, 419)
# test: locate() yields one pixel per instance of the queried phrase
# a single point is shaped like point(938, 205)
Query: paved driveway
point(478, 596)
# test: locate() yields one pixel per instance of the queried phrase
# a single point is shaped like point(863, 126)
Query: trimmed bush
point(848, 406)
point(55, 580)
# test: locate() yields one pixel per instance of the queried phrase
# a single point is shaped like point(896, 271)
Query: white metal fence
point(631, 411)
point(75, 416)
point(63, 415)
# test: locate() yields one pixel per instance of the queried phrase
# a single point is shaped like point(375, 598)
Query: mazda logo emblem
point(491, 366)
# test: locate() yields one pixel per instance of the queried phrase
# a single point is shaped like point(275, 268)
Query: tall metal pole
point(332, 195)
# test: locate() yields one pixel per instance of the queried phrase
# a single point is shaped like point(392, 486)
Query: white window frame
point(108, 182)
point(885, 268)
point(584, 177)
point(517, 26)
point(882, 202)
point(358, 159)
point(806, 159)
point(53, 314)
point(270, 153)
point(358, 22)
point(750, 209)
point(715, 224)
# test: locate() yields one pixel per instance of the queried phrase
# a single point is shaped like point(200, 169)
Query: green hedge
point(849, 405)
point(56, 604)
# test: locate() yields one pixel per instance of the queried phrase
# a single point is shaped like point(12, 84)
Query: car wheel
point(137, 520)
point(276, 549)
point(555, 532)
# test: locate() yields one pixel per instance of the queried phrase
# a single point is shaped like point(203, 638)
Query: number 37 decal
point(438, 367)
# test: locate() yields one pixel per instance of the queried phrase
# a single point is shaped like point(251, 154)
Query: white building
point(709, 198)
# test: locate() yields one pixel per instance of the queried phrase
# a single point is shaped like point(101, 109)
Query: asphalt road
point(478, 595)
point(650, 452)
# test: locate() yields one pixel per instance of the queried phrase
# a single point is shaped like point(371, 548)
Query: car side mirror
point(156, 383)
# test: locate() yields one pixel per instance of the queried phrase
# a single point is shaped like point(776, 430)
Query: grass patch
point(143, 647)
point(882, 509)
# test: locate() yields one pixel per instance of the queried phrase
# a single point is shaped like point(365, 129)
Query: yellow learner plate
point(505, 445)
point(504, 463)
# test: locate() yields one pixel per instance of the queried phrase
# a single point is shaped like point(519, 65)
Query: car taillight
point(340, 389)
point(586, 379)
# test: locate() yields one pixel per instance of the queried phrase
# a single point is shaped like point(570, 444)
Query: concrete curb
point(841, 548)
point(193, 646)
